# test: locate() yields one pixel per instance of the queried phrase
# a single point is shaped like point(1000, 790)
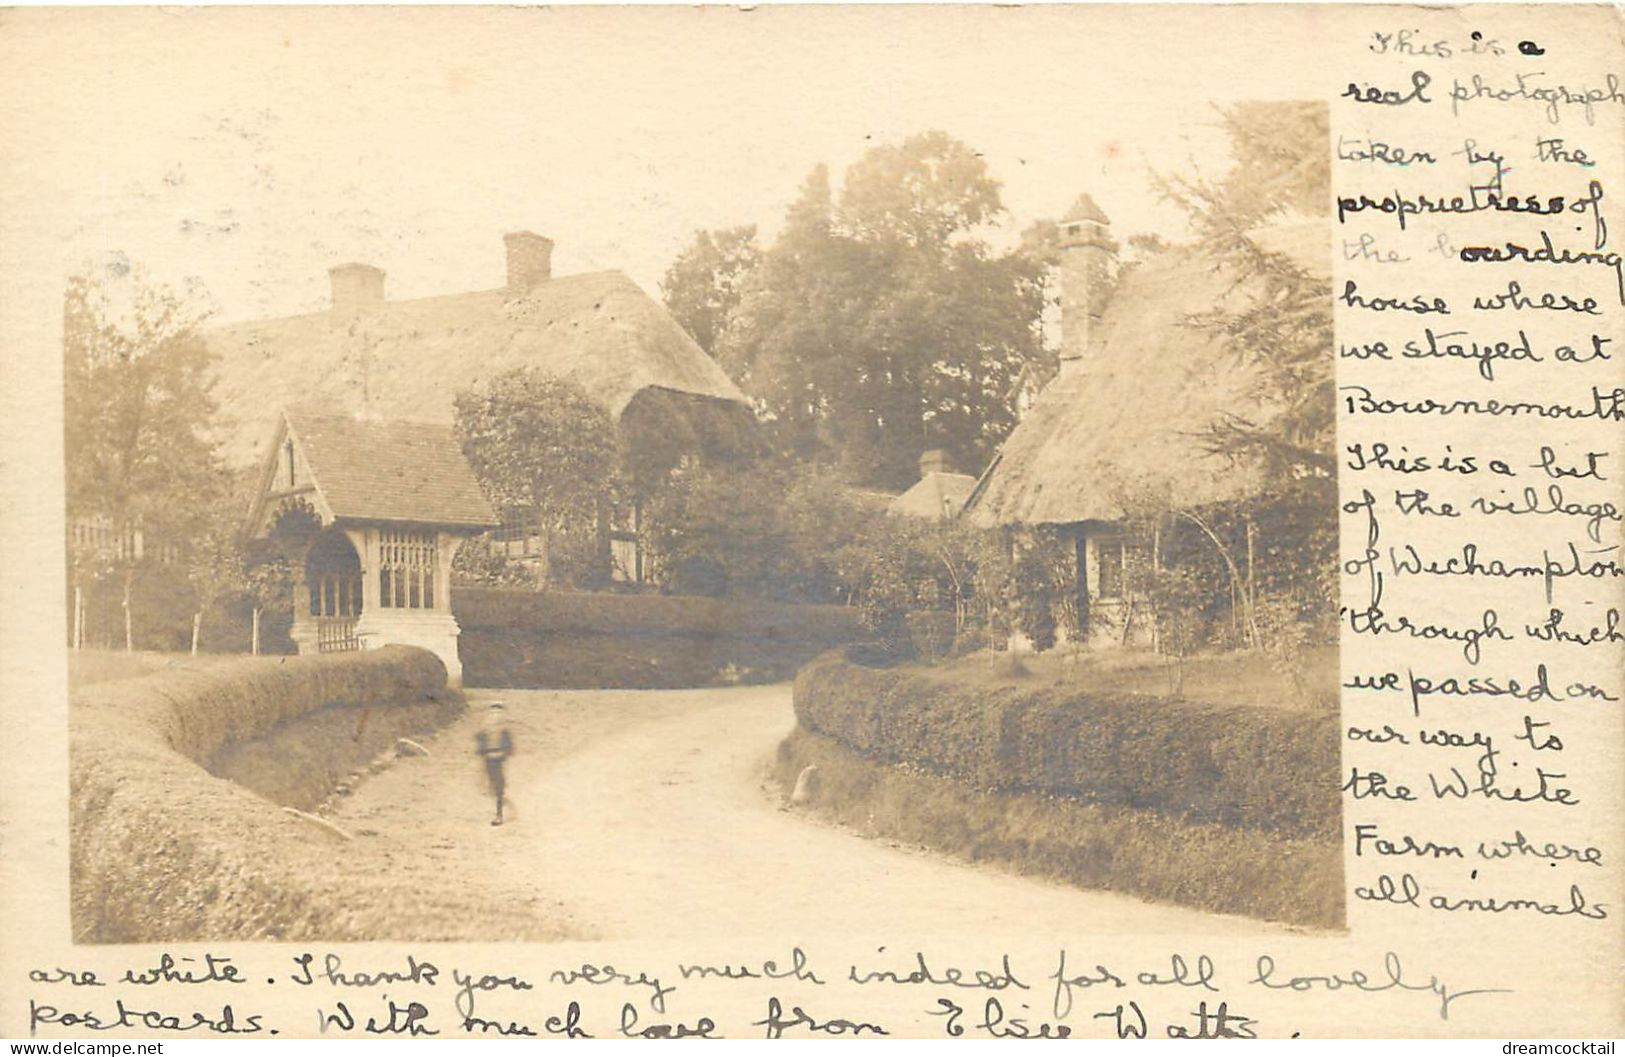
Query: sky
point(243, 152)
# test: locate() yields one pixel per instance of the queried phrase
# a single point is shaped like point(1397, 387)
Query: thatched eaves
point(1125, 426)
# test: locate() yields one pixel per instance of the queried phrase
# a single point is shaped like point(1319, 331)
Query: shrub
point(197, 711)
point(933, 633)
point(1257, 768)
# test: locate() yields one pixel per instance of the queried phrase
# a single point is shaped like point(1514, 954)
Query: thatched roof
point(409, 359)
point(393, 471)
point(934, 496)
point(1127, 419)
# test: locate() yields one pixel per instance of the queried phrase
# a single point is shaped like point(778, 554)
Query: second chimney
point(1087, 258)
point(932, 461)
point(530, 260)
point(355, 287)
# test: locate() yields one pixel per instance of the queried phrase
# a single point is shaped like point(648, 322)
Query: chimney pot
point(934, 461)
point(356, 287)
point(530, 260)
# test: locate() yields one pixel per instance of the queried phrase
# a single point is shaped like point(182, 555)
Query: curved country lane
point(645, 814)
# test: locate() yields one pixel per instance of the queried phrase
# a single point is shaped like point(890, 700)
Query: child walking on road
point(494, 744)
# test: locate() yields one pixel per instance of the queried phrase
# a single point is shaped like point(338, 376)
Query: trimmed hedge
point(579, 639)
point(1143, 853)
point(1254, 768)
point(197, 711)
point(162, 850)
point(644, 614)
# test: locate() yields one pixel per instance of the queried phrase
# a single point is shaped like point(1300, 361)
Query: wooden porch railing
point(336, 634)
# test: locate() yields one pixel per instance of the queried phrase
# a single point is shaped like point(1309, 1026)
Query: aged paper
point(1419, 312)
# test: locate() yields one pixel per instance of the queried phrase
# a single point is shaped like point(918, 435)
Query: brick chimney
point(1088, 255)
point(356, 287)
point(934, 461)
point(530, 261)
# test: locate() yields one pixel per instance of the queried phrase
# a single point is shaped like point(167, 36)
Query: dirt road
point(644, 814)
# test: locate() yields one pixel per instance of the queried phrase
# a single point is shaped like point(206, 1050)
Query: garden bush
point(1256, 768)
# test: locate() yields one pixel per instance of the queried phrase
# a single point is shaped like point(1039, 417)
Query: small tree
point(269, 585)
point(214, 566)
point(541, 445)
point(137, 417)
point(1176, 597)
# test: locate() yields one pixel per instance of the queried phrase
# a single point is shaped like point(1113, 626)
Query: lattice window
point(406, 570)
point(520, 534)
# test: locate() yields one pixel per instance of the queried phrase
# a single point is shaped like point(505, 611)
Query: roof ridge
point(572, 279)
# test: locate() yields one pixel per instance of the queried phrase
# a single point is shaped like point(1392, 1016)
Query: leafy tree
point(1281, 170)
point(881, 324)
point(770, 530)
point(703, 285)
point(1283, 329)
point(538, 444)
point(214, 557)
point(269, 586)
point(137, 419)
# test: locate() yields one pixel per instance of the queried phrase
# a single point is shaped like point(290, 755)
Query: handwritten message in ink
point(1480, 290)
point(803, 994)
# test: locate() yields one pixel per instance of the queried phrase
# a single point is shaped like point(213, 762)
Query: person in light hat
point(494, 744)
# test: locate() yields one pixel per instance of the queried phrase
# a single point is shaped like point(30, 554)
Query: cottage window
point(406, 570)
point(1109, 563)
point(519, 535)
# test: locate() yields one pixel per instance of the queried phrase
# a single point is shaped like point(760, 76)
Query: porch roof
point(387, 470)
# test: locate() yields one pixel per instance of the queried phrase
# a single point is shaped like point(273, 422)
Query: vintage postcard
point(926, 522)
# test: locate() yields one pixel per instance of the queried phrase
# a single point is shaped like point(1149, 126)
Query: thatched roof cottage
point(348, 413)
point(406, 361)
point(1124, 421)
point(373, 358)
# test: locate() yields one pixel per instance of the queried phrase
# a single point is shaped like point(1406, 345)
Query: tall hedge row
point(1258, 768)
point(160, 849)
point(645, 614)
point(198, 710)
point(565, 639)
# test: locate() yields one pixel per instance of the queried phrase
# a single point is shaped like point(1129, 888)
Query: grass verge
point(1123, 849)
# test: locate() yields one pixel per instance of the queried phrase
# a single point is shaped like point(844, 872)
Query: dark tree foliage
point(1281, 170)
point(702, 287)
point(881, 323)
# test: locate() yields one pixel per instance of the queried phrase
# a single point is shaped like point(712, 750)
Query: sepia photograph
point(492, 518)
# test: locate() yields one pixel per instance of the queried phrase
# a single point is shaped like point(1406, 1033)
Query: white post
point(78, 617)
point(197, 621)
point(254, 635)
